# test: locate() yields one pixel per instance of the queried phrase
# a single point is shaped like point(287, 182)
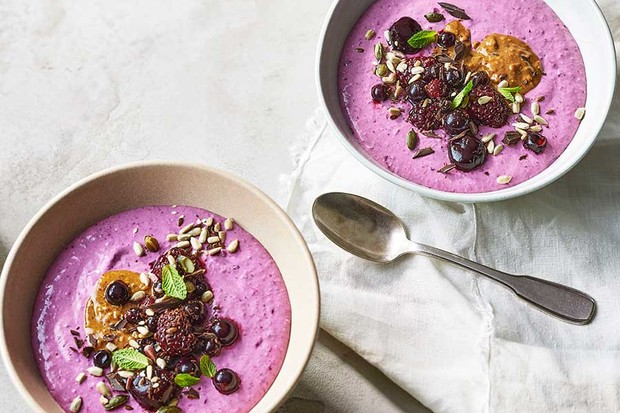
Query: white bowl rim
point(313, 296)
point(523, 188)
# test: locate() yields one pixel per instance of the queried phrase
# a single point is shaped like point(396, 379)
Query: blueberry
point(467, 153)
point(535, 142)
point(379, 93)
point(151, 323)
point(226, 381)
point(401, 31)
point(102, 359)
point(225, 330)
point(417, 92)
point(187, 365)
point(134, 315)
point(210, 345)
point(117, 293)
point(433, 72)
point(446, 39)
point(456, 122)
point(453, 77)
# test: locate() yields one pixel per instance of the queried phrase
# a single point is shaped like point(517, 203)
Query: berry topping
point(187, 365)
point(196, 311)
point(436, 88)
point(162, 261)
point(446, 39)
point(466, 152)
point(493, 113)
point(225, 330)
point(427, 114)
point(417, 92)
point(151, 323)
point(456, 122)
point(134, 315)
point(226, 381)
point(379, 92)
point(401, 31)
point(152, 397)
point(535, 142)
point(210, 345)
point(117, 293)
point(480, 78)
point(102, 359)
point(174, 332)
point(453, 78)
point(434, 71)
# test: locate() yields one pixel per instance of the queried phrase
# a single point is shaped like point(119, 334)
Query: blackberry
point(427, 114)
point(174, 333)
point(494, 113)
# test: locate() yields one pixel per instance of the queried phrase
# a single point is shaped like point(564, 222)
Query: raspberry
point(174, 332)
point(436, 88)
point(494, 113)
point(427, 61)
point(427, 114)
point(162, 261)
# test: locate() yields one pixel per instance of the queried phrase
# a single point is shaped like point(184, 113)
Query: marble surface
point(88, 85)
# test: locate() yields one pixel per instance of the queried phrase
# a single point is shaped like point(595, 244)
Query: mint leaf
point(130, 359)
point(207, 366)
point(508, 92)
point(172, 283)
point(458, 99)
point(422, 39)
point(186, 380)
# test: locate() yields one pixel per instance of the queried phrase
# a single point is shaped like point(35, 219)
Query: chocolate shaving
point(550, 112)
point(180, 221)
point(73, 349)
point(473, 128)
point(447, 168)
point(443, 58)
point(88, 351)
point(422, 152)
point(359, 50)
point(522, 157)
point(459, 50)
point(74, 333)
point(166, 303)
point(119, 325)
point(459, 136)
point(116, 381)
point(430, 134)
point(128, 407)
point(92, 340)
point(78, 342)
point(455, 11)
point(109, 337)
point(511, 138)
point(192, 394)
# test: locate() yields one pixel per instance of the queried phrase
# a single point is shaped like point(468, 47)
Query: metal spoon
point(372, 232)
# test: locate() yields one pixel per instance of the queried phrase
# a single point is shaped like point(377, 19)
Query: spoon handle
point(558, 300)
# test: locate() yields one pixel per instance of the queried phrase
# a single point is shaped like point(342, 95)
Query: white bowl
point(131, 186)
point(587, 25)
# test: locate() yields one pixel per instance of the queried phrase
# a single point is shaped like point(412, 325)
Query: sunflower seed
point(536, 128)
point(133, 343)
point(498, 149)
point(214, 251)
point(402, 67)
point(580, 113)
point(504, 179)
point(379, 51)
point(394, 113)
point(144, 278)
point(502, 84)
point(182, 244)
point(171, 260)
point(417, 70)
point(490, 147)
point(161, 363)
point(417, 63)
point(187, 228)
point(95, 371)
point(138, 249)
point(149, 372)
point(80, 377)
point(229, 223)
point(521, 125)
point(487, 138)
point(111, 346)
point(76, 405)
point(195, 243)
point(483, 100)
point(516, 107)
point(414, 78)
point(467, 78)
point(232, 247)
point(222, 235)
point(541, 120)
point(398, 91)
point(412, 139)
point(390, 79)
point(143, 330)
point(390, 66)
point(135, 230)
point(137, 296)
point(519, 97)
point(209, 221)
point(526, 118)
point(206, 296)
point(125, 374)
point(103, 400)
point(535, 108)
point(370, 34)
point(386, 36)
point(104, 390)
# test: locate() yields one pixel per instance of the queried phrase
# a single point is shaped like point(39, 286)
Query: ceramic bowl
point(586, 23)
point(135, 185)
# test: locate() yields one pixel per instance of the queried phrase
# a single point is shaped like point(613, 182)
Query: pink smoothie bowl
point(152, 183)
point(582, 18)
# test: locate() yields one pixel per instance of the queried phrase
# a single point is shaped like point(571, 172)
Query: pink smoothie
point(247, 285)
point(563, 86)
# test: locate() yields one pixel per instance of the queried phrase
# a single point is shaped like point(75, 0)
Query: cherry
point(102, 359)
point(379, 93)
point(187, 365)
point(446, 39)
point(226, 381)
point(456, 122)
point(117, 293)
point(210, 345)
point(196, 311)
point(467, 153)
point(535, 142)
point(225, 330)
point(152, 398)
point(417, 92)
point(401, 31)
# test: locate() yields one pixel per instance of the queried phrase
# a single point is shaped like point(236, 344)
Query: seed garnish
point(423, 152)
point(138, 249)
point(369, 34)
point(446, 168)
point(580, 113)
point(76, 405)
point(504, 179)
point(412, 139)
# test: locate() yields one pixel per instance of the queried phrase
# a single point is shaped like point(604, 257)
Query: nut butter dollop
point(99, 315)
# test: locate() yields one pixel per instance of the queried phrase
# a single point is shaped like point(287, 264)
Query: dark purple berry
point(467, 153)
point(158, 291)
point(196, 310)
point(453, 78)
point(187, 365)
point(456, 122)
point(480, 78)
point(210, 345)
point(134, 315)
point(117, 293)
point(379, 93)
point(102, 359)
point(151, 323)
point(446, 39)
point(225, 330)
point(417, 92)
point(535, 142)
point(226, 381)
point(401, 31)
point(434, 71)
point(152, 398)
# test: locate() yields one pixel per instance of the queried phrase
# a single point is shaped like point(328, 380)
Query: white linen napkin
point(455, 341)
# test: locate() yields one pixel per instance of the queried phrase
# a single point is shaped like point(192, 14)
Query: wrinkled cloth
point(453, 340)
